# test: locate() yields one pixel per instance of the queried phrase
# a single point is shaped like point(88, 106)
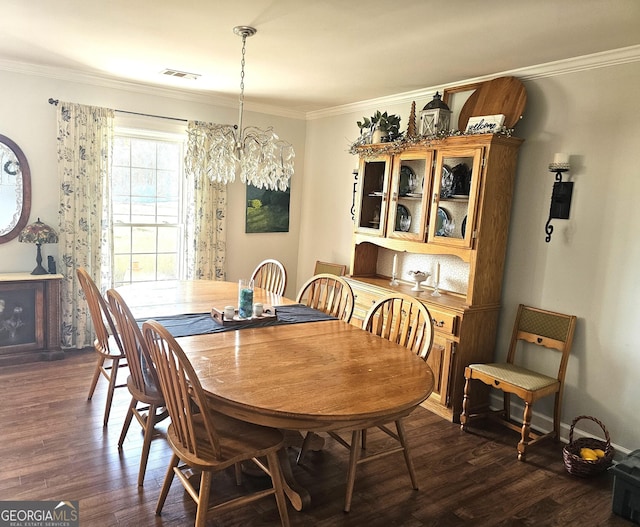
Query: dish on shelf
point(407, 180)
point(403, 219)
point(442, 221)
point(446, 184)
point(414, 195)
point(463, 227)
point(375, 194)
point(374, 223)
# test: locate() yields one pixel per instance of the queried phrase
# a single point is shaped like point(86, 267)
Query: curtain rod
point(56, 101)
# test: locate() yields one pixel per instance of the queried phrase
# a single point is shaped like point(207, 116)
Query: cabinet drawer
point(444, 322)
point(363, 302)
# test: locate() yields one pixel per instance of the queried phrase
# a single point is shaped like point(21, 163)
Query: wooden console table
point(29, 318)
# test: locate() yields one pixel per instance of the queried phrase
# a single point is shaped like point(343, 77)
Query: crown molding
point(95, 79)
point(549, 69)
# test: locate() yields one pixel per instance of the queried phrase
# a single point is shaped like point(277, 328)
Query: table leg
point(298, 496)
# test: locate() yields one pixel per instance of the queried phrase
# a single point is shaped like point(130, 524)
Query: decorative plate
point(443, 218)
point(463, 227)
point(446, 185)
point(403, 219)
point(406, 175)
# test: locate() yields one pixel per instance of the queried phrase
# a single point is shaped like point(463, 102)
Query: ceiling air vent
point(180, 74)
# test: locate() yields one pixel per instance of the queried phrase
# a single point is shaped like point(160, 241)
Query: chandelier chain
point(242, 62)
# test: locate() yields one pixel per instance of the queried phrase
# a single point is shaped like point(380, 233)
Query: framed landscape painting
point(267, 210)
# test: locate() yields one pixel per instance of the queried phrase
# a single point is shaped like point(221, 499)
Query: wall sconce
point(353, 199)
point(561, 195)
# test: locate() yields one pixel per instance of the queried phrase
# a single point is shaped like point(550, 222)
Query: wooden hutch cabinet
point(449, 197)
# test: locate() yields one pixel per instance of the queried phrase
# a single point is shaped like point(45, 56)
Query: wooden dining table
point(314, 376)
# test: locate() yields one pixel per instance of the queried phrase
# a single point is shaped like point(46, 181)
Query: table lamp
point(38, 233)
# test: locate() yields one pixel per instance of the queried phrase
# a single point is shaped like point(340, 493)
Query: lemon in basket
point(599, 452)
point(589, 454)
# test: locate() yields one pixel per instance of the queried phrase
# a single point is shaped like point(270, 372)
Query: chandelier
point(259, 156)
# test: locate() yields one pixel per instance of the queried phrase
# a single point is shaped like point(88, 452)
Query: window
point(146, 198)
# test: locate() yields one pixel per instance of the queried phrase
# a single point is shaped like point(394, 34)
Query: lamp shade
point(38, 233)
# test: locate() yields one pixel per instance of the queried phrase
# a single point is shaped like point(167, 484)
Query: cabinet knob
point(439, 324)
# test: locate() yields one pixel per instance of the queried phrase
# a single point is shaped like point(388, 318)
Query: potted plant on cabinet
point(381, 127)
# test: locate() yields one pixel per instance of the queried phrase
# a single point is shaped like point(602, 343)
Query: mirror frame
point(26, 190)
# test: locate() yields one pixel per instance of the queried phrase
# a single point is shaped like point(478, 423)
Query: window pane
point(122, 268)
point(121, 239)
point(121, 151)
point(168, 211)
point(167, 239)
point(168, 156)
point(167, 266)
point(143, 240)
point(168, 184)
point(143, 268)
point(143, 153)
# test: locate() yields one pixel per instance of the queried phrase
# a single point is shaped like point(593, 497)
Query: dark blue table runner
point(203, 323)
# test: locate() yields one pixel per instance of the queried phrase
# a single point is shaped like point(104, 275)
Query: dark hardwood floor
point(53, 447)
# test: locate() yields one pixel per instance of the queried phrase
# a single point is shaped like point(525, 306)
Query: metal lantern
point(435, 117)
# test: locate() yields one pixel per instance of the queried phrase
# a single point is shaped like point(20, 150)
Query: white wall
point(30, 121)
point(590, 267)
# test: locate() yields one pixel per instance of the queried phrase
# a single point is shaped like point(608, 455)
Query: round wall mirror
point(15, 190)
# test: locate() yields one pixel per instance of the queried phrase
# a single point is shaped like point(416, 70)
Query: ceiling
point(308, 55)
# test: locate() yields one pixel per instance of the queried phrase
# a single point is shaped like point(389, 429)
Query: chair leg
point(556, 414)
point(354, 455)
point(304, 448)
point(146, 444)
point(506, 397)
point(113, 377)
point(203, 499)
point(465, 404)
point(96, 375)
point(278, 485)
point(168, 479)
point(526, 427)
point(407, 453)
point(127, 421)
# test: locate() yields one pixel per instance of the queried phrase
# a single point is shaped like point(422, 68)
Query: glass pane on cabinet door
point(372, 196)
point(407, 213)
point(454, 197)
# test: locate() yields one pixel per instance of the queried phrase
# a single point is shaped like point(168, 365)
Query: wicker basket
point(583, 468)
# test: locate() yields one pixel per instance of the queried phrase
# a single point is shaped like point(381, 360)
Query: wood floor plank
point(54, 446)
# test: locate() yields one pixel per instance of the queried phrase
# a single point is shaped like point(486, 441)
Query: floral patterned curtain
point(85, 143)
point(206, 205)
